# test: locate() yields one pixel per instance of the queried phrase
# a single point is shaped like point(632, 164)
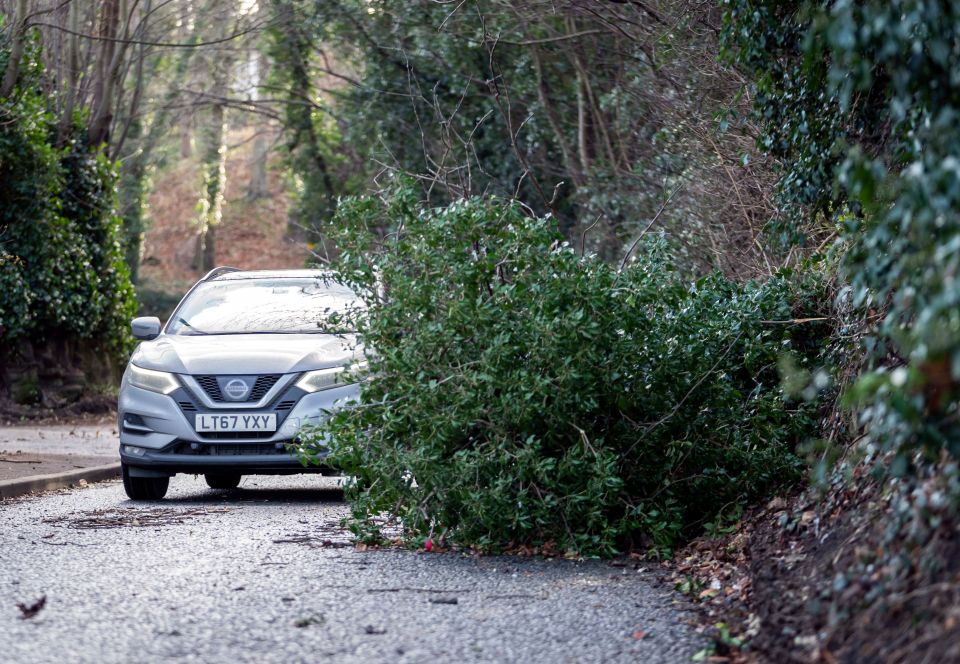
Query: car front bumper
point(163, 440)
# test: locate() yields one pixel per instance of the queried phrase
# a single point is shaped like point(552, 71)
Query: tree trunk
point(257, 188)
point(212, 135)
point(186, 135)
point(16, 50)
point(73, 75)
point(108, 64)
point(209, 248)
point(304, 143)
point(214, 178)
point(186, 114)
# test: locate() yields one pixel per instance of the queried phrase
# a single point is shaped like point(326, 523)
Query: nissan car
point(245, 361)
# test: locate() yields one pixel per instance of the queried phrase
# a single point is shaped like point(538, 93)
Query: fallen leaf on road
point(28, 612)
point(312, 619)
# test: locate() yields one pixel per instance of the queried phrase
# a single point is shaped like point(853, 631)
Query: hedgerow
point(62, 273)
point(861, 101)
point(523, 395)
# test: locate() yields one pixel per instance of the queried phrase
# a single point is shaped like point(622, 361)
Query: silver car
point(244, 362)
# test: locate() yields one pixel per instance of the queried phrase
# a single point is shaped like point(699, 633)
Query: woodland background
point(710, 250)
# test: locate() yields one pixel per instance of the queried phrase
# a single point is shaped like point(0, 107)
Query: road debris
point(29, 611)
point(132, 517)
point(443, 600)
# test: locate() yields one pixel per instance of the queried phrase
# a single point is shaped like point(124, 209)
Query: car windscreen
point(267, 306)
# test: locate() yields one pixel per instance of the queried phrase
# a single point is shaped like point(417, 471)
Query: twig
point(583, 235)
point(795, 321)
point(645, 229)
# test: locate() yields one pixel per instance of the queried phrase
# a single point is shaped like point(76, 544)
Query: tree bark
point(214, 179)
point(73, 75)
point(108, 69)
point(213, 151)
point(16, 50)
point(186, 114)
point(257, 187)
point(186, 134)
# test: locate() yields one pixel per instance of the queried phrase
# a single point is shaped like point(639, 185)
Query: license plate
point(210, 422)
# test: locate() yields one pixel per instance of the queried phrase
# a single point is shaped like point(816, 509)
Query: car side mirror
point(145, 327)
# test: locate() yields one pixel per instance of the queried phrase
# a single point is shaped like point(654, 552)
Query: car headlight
point(155, 381)
point(324, 379)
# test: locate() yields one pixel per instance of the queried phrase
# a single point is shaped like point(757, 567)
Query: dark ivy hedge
point(522, 394)
point(62, 272)
point(861, 103)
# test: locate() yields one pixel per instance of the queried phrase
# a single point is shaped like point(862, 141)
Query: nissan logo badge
point(236, 389)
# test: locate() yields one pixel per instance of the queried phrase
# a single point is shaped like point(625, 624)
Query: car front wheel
point(222, 480)
point(144, 488)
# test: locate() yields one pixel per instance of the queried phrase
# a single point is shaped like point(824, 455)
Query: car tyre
point(144, 488)
point(222, 480)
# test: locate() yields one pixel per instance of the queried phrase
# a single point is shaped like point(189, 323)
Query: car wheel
point(144, 488)
point(222, 480)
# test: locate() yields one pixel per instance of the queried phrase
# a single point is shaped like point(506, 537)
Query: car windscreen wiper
point(186, 324)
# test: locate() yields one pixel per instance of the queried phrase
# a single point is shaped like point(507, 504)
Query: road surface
point(266, 574)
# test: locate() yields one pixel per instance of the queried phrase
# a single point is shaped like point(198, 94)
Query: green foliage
point(16, 298)
point(156, 302)
point(61, 261)
point(522, 394)
point(801, 122)
point(863, 103)
point(311, 143)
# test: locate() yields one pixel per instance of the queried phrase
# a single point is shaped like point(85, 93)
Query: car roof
point(233, 274)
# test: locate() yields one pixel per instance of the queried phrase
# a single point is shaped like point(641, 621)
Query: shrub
point(521, 394)
point(62, 273)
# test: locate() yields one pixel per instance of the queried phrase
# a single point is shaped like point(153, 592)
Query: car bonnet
point(247, 353)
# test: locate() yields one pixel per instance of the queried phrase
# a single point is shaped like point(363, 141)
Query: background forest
point(649, 263)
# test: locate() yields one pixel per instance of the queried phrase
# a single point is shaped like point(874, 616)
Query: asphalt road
point(265, 574)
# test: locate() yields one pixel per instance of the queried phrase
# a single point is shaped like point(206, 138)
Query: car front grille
point(261, 386)
point(210, 386)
